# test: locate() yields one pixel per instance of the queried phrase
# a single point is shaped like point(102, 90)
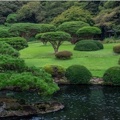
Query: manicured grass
point(96, 61)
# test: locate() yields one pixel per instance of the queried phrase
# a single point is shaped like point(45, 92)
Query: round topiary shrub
point(116, 49)
point(88, 45)
point(112, 76)
point(55, 70)
point(63, 55)
point(9, 63)
point(8, 49)
point(78, 74)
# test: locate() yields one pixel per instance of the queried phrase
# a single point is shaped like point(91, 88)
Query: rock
point(96, 80)
point(12, 107)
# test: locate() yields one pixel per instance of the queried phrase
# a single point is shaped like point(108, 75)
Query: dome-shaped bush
point(116, 49)
point(55, 70)
point(78, 74)
point(112, 76)
point(88, 45)
point(63, 55)
point(8, 49)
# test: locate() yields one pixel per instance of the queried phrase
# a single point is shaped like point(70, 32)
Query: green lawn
point(96, 61)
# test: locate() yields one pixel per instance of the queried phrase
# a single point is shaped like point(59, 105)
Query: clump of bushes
point(55, 70)
point(116, 49)
point(10, 63)
point(26, 81)
point(88, 45)
point(8, 49)
point(17, 43)
point(63, 55)
point(78, 74)
point(112, 76)
point(4, 33)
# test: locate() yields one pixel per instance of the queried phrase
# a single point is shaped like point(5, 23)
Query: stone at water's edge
point(11, 107)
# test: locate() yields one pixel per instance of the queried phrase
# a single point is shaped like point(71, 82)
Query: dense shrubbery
point(116, 49)
point(55, 70)
point(112, 76)
point(63, 55)
point(26, 81)
point(8, 49)
point(4, 33)
point(88, 45)
point(8, 62)
point(16, 42)
point(78, 74)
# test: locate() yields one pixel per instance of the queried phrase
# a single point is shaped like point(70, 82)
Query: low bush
point(8, 62)
point(26, 81)
point(88, 45)
point(63, 55)
point(112, 76)
point(55, 70)
point(16, 42)
point(78, 74)
point(8, 49)
point(4, 33)
point(116, 49)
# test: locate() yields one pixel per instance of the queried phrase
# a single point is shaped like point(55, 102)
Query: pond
point(81, 103)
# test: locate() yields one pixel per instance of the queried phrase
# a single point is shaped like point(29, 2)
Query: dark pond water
point(81, 103)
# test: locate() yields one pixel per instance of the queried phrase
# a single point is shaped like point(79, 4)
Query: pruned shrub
point(63, 55)
point(4, 33)
point(88, 45)
point(26, 81)
point(8, 49)
point(116, 49)
point(55, 70)
point(112, 76)
point(78, 74)
point(16, 42)
point(9, 63)
point(88, 32)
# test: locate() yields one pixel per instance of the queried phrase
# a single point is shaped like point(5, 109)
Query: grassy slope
point(96, 61)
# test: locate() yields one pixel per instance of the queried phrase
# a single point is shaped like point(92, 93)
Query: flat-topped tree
point(88, 32)
point(55, 38)
point(71, 28)
point(28, 30)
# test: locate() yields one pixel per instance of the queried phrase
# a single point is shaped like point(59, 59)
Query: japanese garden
point(60, 60)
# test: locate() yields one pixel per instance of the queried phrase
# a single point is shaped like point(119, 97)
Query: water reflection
point(81, 103)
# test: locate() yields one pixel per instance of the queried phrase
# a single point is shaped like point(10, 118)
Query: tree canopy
point(55, 38)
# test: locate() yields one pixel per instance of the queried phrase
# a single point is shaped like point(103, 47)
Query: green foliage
point(4, 33)
point(55, 38)
point(10, 63)
point(9, 7)
point(74, 13)
point(26, 81)
point(55, 70)
point(88, 31)
point(116, 49)
point(11, 18)
point(72, 26)
point(112, 76)
point(63, 55)
point(119, 61)
point(8, 49)
point(88, 45)
point(78, 74)
point(16, 42)
point(28, 30)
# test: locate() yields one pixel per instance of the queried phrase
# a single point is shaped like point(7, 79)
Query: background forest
point(104, 14)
